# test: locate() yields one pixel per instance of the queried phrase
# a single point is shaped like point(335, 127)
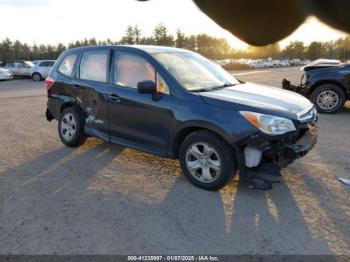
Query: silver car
point(41, 69)
point(18, 67)
point(5, 74)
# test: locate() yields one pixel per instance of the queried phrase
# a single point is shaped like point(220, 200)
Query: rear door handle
point(114, 98)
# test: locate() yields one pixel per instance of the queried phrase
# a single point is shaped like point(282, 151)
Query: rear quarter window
point(67, 65)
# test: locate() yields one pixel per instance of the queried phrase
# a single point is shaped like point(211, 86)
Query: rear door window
point(67, 65)
point(94, 65)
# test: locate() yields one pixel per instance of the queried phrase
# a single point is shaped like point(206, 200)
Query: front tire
point(71, 127)
point(206, 160)
point(328, 98)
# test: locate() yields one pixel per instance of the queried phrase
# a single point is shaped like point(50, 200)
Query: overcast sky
point(52, 21)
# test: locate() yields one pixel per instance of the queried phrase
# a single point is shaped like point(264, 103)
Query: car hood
point(259, 98)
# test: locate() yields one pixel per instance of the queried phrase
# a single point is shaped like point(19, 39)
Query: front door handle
point(114, 98)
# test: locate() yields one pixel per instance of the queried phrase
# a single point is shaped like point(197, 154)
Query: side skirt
point(123, 142)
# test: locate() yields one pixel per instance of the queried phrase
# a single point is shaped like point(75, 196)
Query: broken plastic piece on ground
point(270, 169)
point(344, 180)
point(256, 182)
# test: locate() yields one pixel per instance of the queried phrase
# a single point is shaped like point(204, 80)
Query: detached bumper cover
point(303, 145)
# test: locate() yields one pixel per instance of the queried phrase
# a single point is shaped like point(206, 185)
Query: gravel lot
point(105, 199)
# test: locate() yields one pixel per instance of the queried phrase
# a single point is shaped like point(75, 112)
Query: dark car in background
point(177, 104)
point(325, 82)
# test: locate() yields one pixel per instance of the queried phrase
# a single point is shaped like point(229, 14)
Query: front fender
point(231, 131)
point(314, 83)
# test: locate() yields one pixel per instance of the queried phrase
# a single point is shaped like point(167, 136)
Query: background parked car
point(325, 83)
point(258, 64)
point(18, 67)
point(5, 74)
point(295, 62)
point(41, 69)
point(271, 63)
point(284, 63)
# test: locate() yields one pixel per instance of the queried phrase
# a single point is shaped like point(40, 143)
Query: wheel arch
point(66, 105)
point(70, 103)
point(326, 81)
point(189, 128)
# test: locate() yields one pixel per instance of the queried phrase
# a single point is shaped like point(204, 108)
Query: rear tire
point(71, 127)
point(37, 77)
point(328, 98)
point(207, 160)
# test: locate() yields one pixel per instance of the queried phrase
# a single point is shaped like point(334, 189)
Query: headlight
point(272, 125)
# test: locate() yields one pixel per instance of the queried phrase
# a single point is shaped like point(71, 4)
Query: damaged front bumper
point(303, 145)
point(281, 150)
point(300, 89)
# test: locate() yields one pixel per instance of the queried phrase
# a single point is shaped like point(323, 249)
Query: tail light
point(49, 81)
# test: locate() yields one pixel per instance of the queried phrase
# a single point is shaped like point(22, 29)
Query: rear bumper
point(48, 115)
point(54, 105)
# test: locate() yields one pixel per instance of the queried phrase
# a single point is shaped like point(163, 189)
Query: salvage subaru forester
point(175, 103)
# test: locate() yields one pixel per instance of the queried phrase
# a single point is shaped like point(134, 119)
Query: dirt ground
point(105, 199)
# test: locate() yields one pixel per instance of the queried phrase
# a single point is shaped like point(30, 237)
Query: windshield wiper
point(222, 86)
point(206, 89)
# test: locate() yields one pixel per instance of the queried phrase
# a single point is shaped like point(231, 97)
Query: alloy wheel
point(68, 127)
point(327, 100)
point(203, 162)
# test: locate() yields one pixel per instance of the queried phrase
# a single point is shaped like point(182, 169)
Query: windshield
point(195, 72)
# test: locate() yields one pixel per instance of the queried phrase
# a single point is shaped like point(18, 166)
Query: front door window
point(131, 69)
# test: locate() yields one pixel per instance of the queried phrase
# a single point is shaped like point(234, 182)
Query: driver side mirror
point(149, 87)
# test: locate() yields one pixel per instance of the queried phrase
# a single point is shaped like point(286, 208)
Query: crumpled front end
point(300, 89)
point(282, 149)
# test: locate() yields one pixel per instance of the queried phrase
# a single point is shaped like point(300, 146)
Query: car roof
point(15, 61)
point(146, 48)
point(45, 60)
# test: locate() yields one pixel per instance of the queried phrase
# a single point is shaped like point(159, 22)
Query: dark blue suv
point(177, 104)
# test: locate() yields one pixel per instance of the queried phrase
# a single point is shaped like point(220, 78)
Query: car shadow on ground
point(345, 109)
point(57, 166)
point(244, 221)
point(147, 201)
point(235, 220)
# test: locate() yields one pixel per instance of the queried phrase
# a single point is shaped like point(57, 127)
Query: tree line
point(211, 47)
